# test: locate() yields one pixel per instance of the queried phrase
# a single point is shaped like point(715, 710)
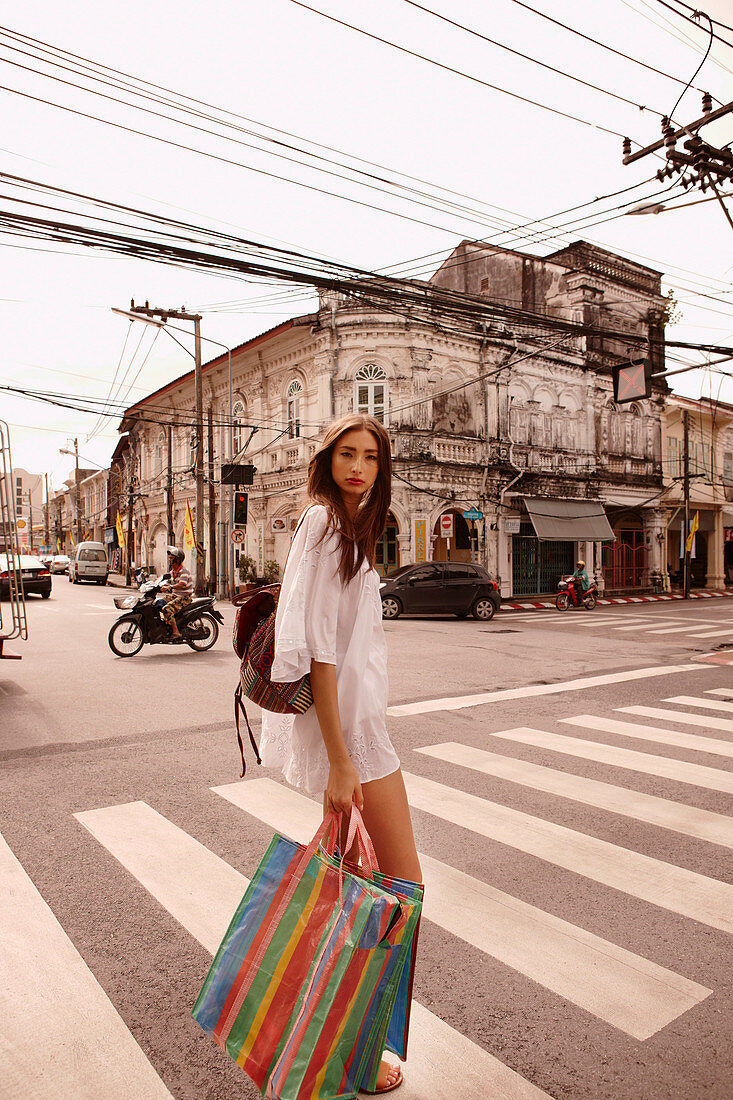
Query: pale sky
point(284, 67)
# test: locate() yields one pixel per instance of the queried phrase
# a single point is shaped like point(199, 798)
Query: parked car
point(35, 576)
point(60, 563)
point(89, 563)
point(440, 587)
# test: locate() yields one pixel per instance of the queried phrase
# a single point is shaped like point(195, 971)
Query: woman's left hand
point(343, 787)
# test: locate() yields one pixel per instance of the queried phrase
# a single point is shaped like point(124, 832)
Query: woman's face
point(355, 465)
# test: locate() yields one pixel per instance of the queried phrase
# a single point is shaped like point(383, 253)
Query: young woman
point(329, 623)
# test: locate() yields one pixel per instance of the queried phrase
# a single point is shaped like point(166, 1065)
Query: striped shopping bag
point(312, 968)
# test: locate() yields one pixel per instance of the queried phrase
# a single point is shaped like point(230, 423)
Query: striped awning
point(569, 520)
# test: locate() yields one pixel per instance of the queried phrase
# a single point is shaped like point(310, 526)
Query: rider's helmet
point(175, 553)
point(581, 565)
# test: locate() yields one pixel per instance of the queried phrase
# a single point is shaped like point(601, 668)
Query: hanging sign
point(473, 513)
point(512, 525)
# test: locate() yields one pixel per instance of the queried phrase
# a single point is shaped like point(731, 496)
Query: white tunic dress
point(320, 618)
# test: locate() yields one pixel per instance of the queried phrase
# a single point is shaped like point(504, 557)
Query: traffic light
point(240, 509)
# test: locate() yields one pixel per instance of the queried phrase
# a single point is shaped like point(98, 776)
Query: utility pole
point(182, 315)
point(686, 490)
point(703, 165)
point(78, 492)
point(212, 503)
point(130, 497)
point(47, 519)
point(169, 490)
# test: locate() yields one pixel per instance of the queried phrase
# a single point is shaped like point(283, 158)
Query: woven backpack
point(253, 639)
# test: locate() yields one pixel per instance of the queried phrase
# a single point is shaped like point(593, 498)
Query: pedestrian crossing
point(660, 624)
point(589, 970)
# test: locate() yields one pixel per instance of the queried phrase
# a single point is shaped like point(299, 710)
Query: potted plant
point(271, 572)
point(247, 572)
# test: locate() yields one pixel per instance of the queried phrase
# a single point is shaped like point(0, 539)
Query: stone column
point(715, 577)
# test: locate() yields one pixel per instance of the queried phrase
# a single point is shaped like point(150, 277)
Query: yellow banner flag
point(189, 538)
point(120, 532)
point(693, 527)
point(58, 546)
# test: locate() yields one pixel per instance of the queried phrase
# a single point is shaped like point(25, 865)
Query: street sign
point(237, 535)
point(513, 525)
point(631, 382)
point(473, 513)
point(447, 525)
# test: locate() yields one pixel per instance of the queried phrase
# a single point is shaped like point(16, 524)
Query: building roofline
point(292, 322)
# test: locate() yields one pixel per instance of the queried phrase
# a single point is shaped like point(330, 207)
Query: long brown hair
point(361, 533)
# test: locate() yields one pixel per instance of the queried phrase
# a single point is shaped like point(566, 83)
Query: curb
point(541, 605)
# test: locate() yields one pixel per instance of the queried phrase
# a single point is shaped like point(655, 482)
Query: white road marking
point(700, 824)
point(201, 892)
point(699, 775)
point(663, 884)
point(685, 719)
point(637, 996)
point(427, 706)
point(653, 733)
point(61, 1035)
point(714, 633)
point(699, 701)
point(725, 692)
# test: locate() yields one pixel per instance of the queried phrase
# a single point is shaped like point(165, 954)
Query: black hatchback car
point(440, 587)
point(35, 576)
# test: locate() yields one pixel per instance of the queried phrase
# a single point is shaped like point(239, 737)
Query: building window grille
point(294, 394)
point(238, 426)
point(371, 391)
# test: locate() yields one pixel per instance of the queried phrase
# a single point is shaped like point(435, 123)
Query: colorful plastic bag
point(312, 969)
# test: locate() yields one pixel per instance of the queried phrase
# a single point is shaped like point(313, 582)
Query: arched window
point(371, 391)
point(295, 391)
point(237, 427)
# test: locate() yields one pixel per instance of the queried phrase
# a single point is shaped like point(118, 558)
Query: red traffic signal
point(240, 509)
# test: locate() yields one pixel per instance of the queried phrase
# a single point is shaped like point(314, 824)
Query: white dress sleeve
point(307, 610)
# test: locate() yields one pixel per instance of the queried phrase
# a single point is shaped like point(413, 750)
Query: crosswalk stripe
point(689, 626)
point(637, 996)
point(714, 633)
point(201, 892)
point(58, 1025)
point(708, 721)
point(688, 820)
point(700, 701)
point(652, 733)
point(663, 884)
point(727, 693)
point(699, 775)
point(427, 706)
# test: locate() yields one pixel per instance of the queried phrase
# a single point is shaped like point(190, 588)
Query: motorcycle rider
point(580, 582)
point(177, 591)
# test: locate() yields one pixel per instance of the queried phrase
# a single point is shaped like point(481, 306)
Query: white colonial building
point(490, 418)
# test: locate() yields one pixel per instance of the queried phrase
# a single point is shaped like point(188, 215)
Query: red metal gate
point(625, 565)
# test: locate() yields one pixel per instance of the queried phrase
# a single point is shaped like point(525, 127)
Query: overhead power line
point(533, 60)
point(456, 72)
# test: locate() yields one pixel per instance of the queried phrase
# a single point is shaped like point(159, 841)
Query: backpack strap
point(239, 705)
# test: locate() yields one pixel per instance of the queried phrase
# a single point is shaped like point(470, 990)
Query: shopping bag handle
point(330, 827)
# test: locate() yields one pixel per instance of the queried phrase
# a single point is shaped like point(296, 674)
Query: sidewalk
point(543, 604)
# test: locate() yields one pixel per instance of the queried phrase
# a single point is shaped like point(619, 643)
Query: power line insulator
point(707, 103)
point(627, 147)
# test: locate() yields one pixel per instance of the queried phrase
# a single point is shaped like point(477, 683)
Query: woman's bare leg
point(386, 815)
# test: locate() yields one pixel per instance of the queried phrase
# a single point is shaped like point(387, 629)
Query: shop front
point(552, 537)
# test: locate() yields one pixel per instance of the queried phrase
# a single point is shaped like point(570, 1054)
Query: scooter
point(141, 622)
point(567, 596)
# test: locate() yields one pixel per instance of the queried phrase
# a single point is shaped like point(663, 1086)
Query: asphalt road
point(576, 851)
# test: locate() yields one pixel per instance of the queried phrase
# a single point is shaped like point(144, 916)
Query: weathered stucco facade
point(483, 414)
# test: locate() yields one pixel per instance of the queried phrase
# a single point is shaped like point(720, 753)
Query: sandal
point(388, 1088)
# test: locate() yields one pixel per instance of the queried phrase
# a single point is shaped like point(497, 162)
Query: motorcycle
point(567, 596)
point(142, 622)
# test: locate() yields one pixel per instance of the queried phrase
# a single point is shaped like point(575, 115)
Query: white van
point(89, 563)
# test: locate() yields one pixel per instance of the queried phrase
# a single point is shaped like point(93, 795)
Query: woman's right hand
point(343, 787)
